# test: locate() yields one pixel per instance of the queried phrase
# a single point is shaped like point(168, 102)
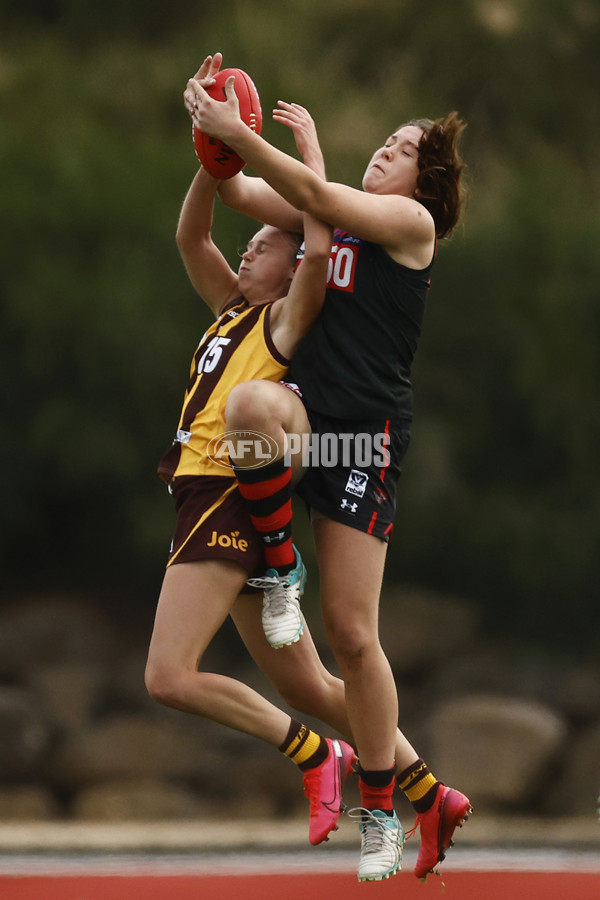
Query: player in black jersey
point(353, 372)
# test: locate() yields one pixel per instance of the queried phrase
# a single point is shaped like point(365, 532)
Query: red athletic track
point(479, 885)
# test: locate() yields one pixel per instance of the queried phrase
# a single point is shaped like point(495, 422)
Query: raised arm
point(398, 223)
point(251, 196)
point(255, 198)
point(207, 268)
point(293, 316)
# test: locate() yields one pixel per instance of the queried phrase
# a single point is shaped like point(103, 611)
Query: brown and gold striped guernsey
point(237, 347)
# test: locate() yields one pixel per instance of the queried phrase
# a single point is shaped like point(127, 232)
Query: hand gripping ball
point(218, 159)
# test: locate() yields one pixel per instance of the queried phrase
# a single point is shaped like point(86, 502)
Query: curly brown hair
point(440, 167)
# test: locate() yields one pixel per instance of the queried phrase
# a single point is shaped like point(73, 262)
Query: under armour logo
point(348, 506)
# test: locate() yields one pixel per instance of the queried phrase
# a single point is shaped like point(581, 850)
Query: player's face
point(267, 266)
point(394, 168)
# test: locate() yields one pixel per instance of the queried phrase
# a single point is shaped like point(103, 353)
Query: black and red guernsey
point(356, 360)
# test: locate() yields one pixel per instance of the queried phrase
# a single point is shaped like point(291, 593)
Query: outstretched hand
point(204, 77)
point(200, 106)
point(304, 129)
point(209, 68)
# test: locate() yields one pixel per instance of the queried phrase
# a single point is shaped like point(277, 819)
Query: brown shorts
point(213, 523)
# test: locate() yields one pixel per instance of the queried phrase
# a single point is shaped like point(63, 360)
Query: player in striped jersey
point(262, 312)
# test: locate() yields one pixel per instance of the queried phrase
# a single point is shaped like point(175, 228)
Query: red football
point(218, 159)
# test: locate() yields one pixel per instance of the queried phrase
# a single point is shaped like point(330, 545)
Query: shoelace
point(311, 787)
point(276, 600)
point(412, 831)
point(267, 581)
point(375, 832)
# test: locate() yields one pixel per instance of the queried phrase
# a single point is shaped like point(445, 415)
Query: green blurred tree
point(501, 494)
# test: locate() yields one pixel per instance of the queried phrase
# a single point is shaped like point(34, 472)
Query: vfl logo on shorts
point(357, 483)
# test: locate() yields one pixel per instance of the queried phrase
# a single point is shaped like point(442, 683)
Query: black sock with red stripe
point(267, 493)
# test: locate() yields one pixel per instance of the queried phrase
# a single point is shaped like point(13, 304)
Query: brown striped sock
point(419, 786)
point(304, 747)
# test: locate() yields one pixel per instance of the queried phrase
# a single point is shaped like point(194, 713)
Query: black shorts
point(354, 478)
point(213, 522)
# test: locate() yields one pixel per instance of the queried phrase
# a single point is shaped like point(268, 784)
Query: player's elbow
point(229, 199)
point(236, 193)
point(185, 238)
point(322, 254)
point(316, 256)
point(189, 243)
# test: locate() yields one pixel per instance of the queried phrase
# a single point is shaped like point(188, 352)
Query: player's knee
point(350, 646)
point(163, 686)
point(246, 405)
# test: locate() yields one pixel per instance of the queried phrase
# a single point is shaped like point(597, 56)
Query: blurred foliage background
point(500, 499)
